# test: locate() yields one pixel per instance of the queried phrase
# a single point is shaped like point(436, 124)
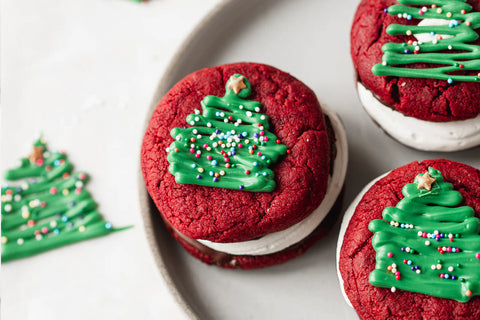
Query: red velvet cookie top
point(226, 215)
point(357, 257)
point(426, 99)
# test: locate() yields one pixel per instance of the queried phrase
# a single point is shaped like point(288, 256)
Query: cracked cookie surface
point(357, 256)
point(425, 99)
point(225, 215)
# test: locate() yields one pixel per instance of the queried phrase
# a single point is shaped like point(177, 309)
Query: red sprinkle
point(288, 151)
point(248, 172)
point(83, 175)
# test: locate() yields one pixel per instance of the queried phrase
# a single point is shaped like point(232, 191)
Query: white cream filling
point(278, 241)
point(420, 134)
point(343, 229)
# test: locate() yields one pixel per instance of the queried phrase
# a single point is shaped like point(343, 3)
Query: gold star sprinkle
point(36, 154)
point(236, 84)
point(425, 181)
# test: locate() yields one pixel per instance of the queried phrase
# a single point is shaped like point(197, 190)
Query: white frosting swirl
point(278, 241)
point(420, 134)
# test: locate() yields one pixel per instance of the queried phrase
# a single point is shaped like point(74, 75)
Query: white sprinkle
point(79, 184)
point(419, 271)
point(439, 266)
point(450, 269)
point(197, 119)
point(257, 109)
point(192, 123)
point(209, 124)
point(249, 114)
point(433, 267)
point(8, 207)
point(197, 111)
point(393, 289)
point(240, 107)
point(19, 241)
point(427, 243)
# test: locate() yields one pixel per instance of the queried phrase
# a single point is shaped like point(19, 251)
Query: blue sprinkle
point(450, 80)
point(403, 249)
point(232, 149)
point(442, 235)
point(233, 153)
point(239, 135)
point(432, 33)
point(217, 131)
point(56, 163)
point(454, 278)
point(263, 157)
point(108, 226)
point(255, 163)
point(244, 134)
point(215, 179)
point(56, 231)
point(407, 51)
point(199, 177)
point(409, 262)
point(409, 17)
point(214, 162)
point(402, 225)
point(412, 268)
point(241, 187)
point(265, 174)
point(454, 250)
point(64, 218)
point(416, 267)
point(255, 135)
point(211, 173)
point(194, 165)
point(217, 114)
point(385, 10)
point(447, 276)
point(257, 174)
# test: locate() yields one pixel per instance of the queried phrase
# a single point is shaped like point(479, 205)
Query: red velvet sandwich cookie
point(418, 70)
point(409, 245)
point(243, 164)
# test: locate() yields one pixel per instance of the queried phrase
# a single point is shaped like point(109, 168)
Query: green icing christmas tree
point(450, 27)
point(228, 145)
point(428, 243)
point(49, 208)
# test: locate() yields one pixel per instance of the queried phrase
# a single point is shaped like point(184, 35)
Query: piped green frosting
point(228, 144)
point(428, 243)
point(449, 55)
point(48, 208)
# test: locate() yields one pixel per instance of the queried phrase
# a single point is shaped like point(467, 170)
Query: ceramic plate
point(310, 40)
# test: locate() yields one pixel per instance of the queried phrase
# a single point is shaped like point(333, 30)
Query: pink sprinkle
point(477, 255)
point(227, 159)
point(262, 133)
point(53, 190)
point(259, 154)
point(197, 155)
point(420, 12)
point(424, 235)
point(389, 254)
point(82, 176)
point(44, 230)
point(442, 276)
point(78, 191)
point(240, 145)
point(205, 146)
point(40, 162)
point(265, 138)
point(397, 273)
point(449, 249)
point(209, 158)
point(192, 150)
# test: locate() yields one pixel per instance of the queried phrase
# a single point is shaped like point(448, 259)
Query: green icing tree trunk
point(428, 243)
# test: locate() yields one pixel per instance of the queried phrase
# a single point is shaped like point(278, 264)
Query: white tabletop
point(83, 74)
